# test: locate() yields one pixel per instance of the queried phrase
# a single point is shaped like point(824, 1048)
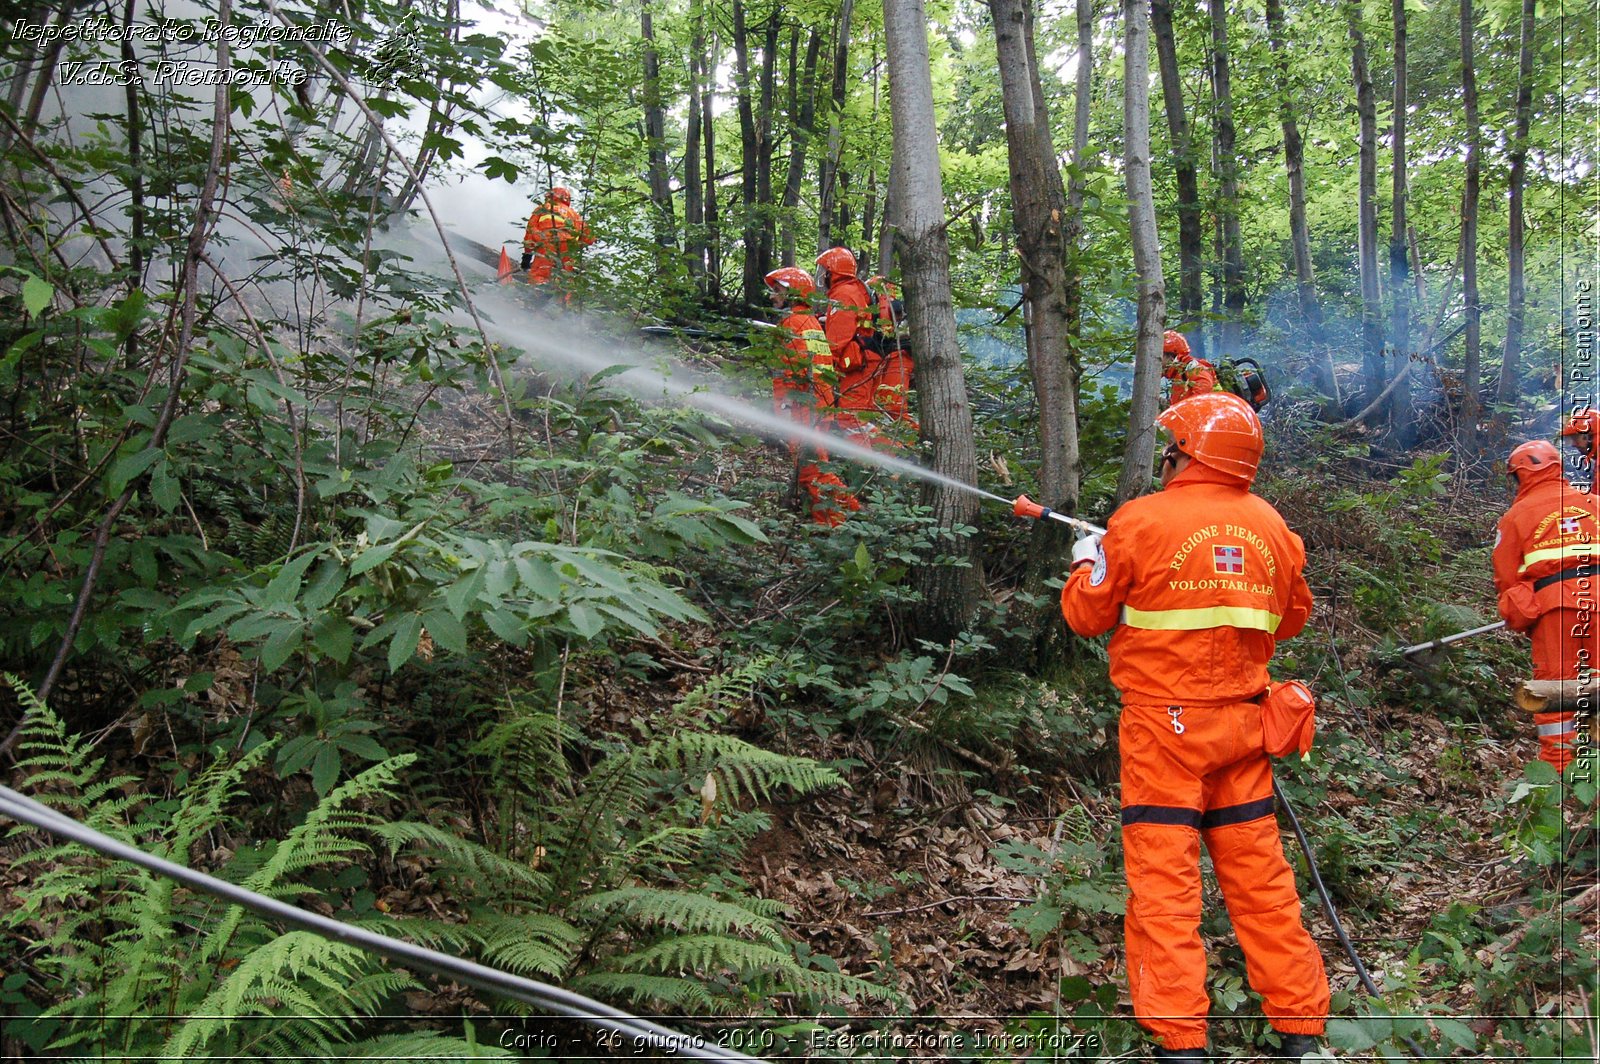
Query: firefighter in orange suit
point(849, 322)
point(1545, 572)
point(803, 389)
point(1189, 375)
point(1200, 581)
point(555, 234)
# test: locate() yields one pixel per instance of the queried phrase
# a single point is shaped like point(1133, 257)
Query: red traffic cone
point(507, 271)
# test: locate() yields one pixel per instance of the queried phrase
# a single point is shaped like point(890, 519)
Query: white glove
point(1087, 549)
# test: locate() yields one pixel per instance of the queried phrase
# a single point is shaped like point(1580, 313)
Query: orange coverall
point(1202, 580)
point(799, 391)
point(552, 230)
point(1544, 570)
point(850, 319)
point(1189, 376)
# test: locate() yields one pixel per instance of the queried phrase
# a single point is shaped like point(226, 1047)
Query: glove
point(527, 260)
point(1087, 550)
point(1519, 606)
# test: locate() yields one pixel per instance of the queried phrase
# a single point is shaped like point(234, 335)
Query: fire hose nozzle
point(1026, 507)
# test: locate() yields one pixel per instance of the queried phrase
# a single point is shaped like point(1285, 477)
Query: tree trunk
point(1516, 295)
point(801, 118)
point(713, 209)
point(655, 136)
point(1399, 260)
point(1233, 296)
point(1327, 380)
point(749, 159)
point(949, 592)
point(765, 216)
point(1152, 293)
point(828, 178)
point(1191, 242)
point(694, 211)
point(1471, 369)
point(1374, 376)
point(1038, 211)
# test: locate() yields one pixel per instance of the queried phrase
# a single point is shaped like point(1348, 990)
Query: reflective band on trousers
point(1560, 727)
point(1560, 554)
point(1205, 617)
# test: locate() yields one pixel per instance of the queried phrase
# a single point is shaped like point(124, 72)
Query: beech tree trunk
point(1399, 261)
point(713, 210)
point(749, 160)
point(802, 117)
point(1374, 376)
point(1191, 241)
point(765, 217)
point(1038, 210)
point(1471, 369)
point(694, 211)
point(1152, 293)
point(949, 592)
point(828, 179)
point(1516, 294)
point(655, 124)
point(1233, 295)
point(1323, 372)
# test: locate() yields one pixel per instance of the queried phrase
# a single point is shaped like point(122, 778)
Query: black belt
point(1569, 573)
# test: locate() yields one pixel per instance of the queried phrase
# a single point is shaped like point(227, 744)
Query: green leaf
point(446, 631)
point(129, 466)
point(1349, 1036)
point(36, 295)
point(284, 640)
point(373, 557)
point(404, 643)
point(283, 588)
point(585, 621)
point(1457, 1032)
point(163, 487)
point(325, 769)
point(334, 637)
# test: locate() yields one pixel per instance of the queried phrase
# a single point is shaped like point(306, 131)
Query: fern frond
point(682, 911)
point(463, 857)
point(742, 769)
point(705, 953)
point(676, 993)
point(726, 691)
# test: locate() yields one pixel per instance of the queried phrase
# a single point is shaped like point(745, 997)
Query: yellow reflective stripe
point(1560, 554)
point(1205, 617)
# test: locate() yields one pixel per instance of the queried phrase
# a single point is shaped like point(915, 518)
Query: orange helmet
point(1173, 343)
point(792, 280)
point(560, 195)
point(838, 261)
point(1585, 425)
point(1535, 456)
point(1217, 429)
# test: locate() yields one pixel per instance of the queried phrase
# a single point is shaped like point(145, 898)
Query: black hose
point(1333, 915)
point(642, 1035)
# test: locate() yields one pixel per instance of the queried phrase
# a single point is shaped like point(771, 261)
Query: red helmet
point(1217, 429)
point(838, 261)
point(1173, 343)
point(1535, 456)
point(796, 282)
point(560, 195)
point(1585, 425)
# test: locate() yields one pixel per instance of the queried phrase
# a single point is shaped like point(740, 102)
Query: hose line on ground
point(643, 1035)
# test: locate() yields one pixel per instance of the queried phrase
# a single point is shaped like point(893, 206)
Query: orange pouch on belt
point(1288, 718)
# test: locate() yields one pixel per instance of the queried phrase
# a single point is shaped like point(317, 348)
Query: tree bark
point(1327, 380)
point(1516, 294)
point(1191, 241)
point(1152, 294)
point(694, 211)
point(1038, 211)
point(802, 117)
point(1233, 294)
point(749, 159)
point(765, 217)
point(713, 211)
point(828, 178)
point(949, 592)
point(1471, 370)
point(1404, 415)
point(1374, 376)
point(655, 125)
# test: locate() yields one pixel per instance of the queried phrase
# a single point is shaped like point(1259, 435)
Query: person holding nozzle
point(1547, 580)
point(1200, 581)
point(556, 233)
point(1189, 375)
point(803, 390)
point(848, 325)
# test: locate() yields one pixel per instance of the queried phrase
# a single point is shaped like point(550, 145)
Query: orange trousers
point(1193, 773)
point(1566, 643)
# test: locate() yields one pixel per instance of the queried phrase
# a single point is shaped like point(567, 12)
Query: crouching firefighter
point(1200, 581)
point(1545, 572)
point(803, 391)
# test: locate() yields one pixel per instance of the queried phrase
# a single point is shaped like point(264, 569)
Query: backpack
point(1245, 378)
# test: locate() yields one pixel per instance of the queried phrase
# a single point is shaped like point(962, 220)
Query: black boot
point(1295, 1046)
point(1182, 1056)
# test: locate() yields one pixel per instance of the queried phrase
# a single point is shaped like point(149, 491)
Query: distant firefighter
point(555, 235)
point(1189, 375)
